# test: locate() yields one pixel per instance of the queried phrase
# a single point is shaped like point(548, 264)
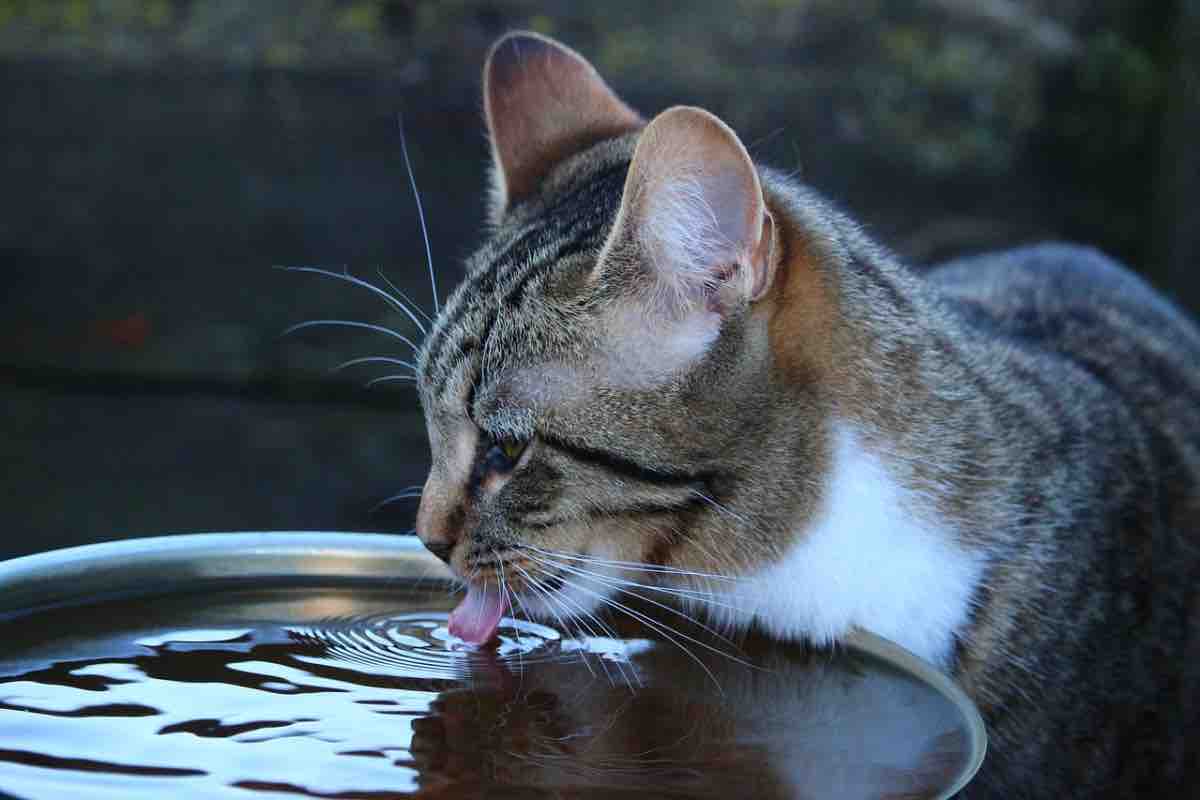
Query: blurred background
point(158, 158)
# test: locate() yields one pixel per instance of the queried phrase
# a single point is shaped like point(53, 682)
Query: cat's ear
point(693, 213)
point(543, 102)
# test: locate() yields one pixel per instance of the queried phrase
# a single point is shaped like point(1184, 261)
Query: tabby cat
point(665, 354)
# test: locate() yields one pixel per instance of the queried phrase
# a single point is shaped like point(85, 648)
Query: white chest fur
point(873, 558)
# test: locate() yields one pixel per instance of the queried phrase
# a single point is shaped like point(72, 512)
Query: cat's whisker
point(667, 632)
point(401, 496)
point(403, 295)
point(374, 360)
point(420, 213)
point(628, 565)
point(345, 323)
point(551, 604)
point(686, 593)
point(390, 379)
point(584, 614)
point(507, 594)
point(561, 602)
point(582, 626)
point(677, 612)
point(715, 558)
point(696, 595)
point(720, 507)
point(394, 302)
point(408, 493)
point(603, 580)
point(521, 607)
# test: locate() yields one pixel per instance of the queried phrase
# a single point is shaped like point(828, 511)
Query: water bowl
point(278, 665)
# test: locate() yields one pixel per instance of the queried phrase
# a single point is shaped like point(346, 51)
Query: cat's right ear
point(543, 102)
point(694, 215)
point(692, 243)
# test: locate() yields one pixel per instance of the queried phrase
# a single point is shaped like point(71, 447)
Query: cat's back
point(1107, 374)
point(1074, 304)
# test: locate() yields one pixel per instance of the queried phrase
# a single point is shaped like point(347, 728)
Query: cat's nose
point(439, 520)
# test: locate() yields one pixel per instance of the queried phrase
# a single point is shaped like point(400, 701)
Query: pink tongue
point(478, 615)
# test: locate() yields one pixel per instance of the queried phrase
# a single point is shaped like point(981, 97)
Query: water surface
point(362, 693)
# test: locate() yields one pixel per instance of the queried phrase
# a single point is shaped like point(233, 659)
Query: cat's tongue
point(478, 615)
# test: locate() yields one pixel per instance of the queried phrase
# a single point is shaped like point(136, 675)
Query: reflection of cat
point(803, 727)
point(666, 355)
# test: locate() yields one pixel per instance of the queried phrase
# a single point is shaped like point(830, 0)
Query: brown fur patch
point(801, 306)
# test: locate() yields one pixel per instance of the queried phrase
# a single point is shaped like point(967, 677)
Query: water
point(362, 693)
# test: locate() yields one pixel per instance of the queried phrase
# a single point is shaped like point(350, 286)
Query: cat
point(666, 355)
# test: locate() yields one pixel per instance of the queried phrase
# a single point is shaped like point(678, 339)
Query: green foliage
point(364, 16)
point(98, 17)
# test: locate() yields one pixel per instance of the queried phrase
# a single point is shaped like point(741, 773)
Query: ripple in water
point(420, 646)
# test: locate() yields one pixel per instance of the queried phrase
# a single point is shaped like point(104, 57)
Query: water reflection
point(241, 691)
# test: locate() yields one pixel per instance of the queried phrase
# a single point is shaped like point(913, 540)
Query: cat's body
point(667, 355)
point(1083, 649)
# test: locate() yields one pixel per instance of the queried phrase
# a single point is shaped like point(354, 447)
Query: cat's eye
point(504, 453)
point(512, 448)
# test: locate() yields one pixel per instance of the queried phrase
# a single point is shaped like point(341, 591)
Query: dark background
point(157, 158)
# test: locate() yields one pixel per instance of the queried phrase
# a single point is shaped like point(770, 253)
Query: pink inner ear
point(694, 204)
point(732, 200)
point(543, 103)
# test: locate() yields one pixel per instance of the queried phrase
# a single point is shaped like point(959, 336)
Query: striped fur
point(1036, 413)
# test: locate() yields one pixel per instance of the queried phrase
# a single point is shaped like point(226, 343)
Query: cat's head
point(603, 384)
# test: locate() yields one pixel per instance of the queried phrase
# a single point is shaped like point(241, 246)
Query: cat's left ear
point(543, 102)
point(693, 214)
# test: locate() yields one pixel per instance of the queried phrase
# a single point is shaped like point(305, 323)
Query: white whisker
point(420, 213)
point(507, 594)
point(629, 565)
point(624, 584)
point(374, 360)
point(654, 625)
point(346, 276)
point(720, 507)
point(605, 631)
point(601, 579)
point(345, 323)
point(555, 601)
point(390, 379)
point(407, 494)
point(705, 595)
point(535, 585)
point(403, 296)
